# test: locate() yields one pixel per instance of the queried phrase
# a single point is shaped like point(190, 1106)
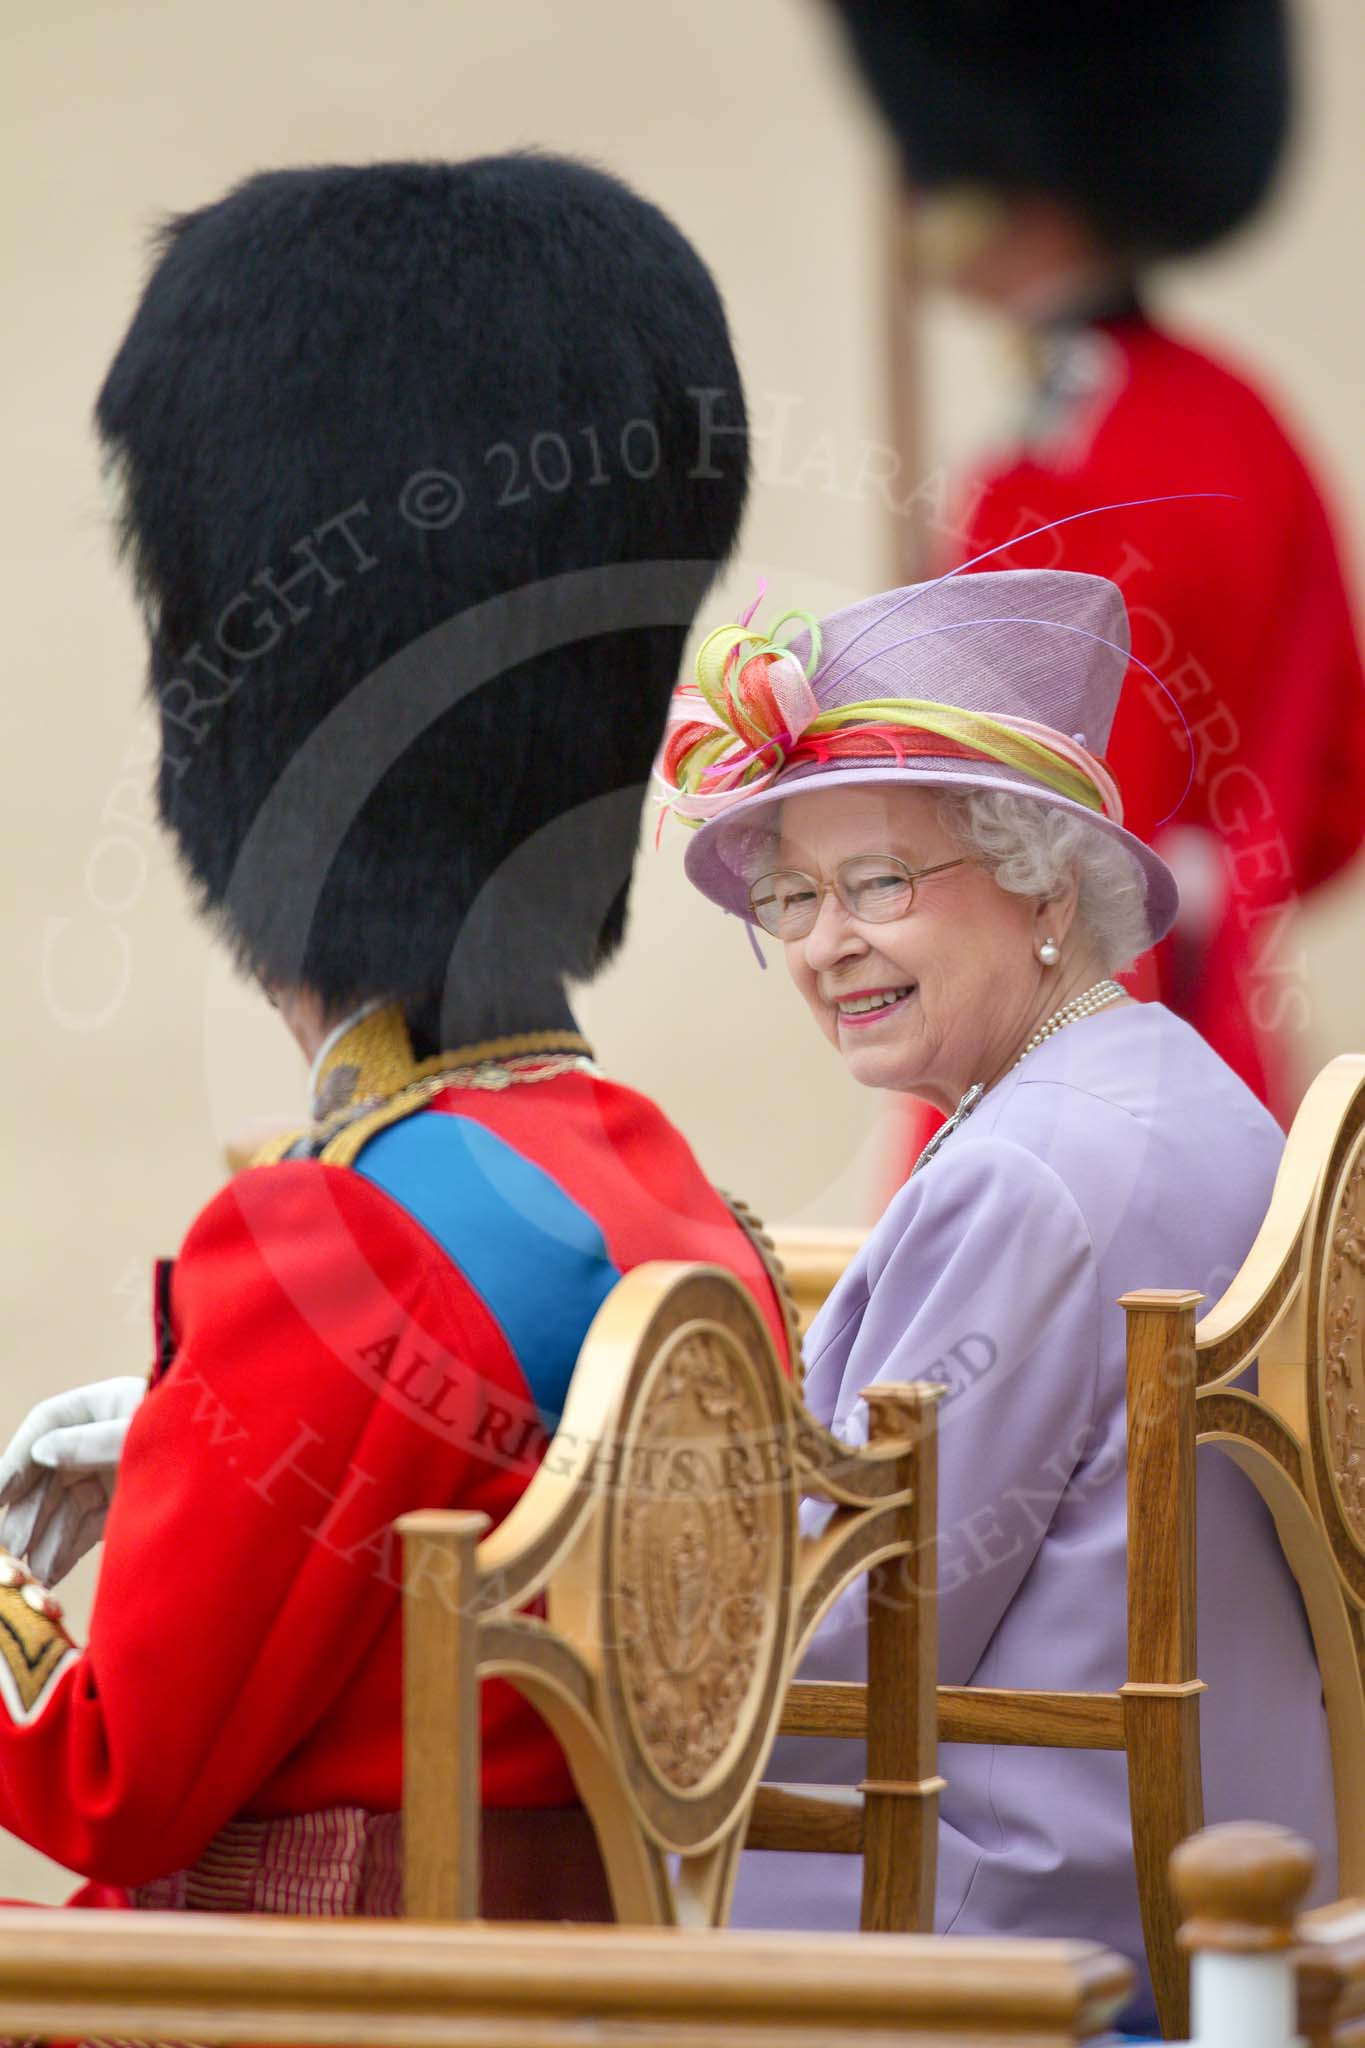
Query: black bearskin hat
point(1161, 122)
point(424, 470)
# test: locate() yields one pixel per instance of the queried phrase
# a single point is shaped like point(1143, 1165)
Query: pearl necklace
point(1083, 1005)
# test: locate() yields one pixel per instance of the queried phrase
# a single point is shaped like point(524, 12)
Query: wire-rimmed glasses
point(873, 887)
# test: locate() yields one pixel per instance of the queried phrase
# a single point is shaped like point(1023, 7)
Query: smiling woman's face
point(961, 966)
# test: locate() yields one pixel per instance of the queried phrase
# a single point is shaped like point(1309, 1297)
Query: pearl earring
point(1049, 952)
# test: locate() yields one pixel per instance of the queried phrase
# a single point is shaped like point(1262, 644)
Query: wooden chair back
point(1297, 1311)
point(674, 1594)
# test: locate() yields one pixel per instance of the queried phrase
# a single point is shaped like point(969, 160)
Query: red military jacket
point(342, 1343)
point(1241, 609)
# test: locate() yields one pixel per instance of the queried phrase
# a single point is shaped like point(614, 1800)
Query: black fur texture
point(488, 416)
point(1162, 121)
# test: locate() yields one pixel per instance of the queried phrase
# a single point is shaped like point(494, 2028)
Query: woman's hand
point(57, 1475)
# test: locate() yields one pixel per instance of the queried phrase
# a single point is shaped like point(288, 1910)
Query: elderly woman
point(911, 800)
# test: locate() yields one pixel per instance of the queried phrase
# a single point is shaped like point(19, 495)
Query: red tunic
point(331, 1366)
point(1241, 610)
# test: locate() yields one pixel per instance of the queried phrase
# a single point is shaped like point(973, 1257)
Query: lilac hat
point(997, 680)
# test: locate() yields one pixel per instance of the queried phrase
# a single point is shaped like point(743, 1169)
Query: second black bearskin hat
point(424, 469)
point(1162, 121)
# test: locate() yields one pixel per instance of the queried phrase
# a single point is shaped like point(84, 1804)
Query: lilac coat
point(1121, 1153)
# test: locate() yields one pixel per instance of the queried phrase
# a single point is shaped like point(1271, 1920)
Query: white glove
point(57, 1476)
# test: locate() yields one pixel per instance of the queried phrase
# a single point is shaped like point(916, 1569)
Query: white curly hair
point(1029, 845)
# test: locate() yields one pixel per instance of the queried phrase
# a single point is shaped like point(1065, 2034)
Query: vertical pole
point(441, 1759)
point(1161, 1696)
point(900, 1792)
point(1239, 1888)
point(905, 385)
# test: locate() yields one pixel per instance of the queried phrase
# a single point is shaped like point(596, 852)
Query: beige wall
point(129, 1050)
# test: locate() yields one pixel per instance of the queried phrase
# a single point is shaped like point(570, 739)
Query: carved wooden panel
point(1341, 1385)
point(697, 1568)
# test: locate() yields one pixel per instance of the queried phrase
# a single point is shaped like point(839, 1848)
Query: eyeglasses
point(873, 887)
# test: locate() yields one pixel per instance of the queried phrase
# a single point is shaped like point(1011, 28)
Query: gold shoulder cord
point(344, 1148)
point(338, 1139)
point(758, 1237)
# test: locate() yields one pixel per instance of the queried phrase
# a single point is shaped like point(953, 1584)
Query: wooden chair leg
point(1166, 1803)
point(1161, 1697)
point(901, 1790)
point(441, 1761)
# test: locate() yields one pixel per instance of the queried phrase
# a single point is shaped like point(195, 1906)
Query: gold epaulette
point(34, 1646)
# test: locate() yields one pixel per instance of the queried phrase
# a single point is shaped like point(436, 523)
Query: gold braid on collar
point(369, 1078)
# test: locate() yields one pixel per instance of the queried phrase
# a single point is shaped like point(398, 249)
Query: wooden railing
point(220, 1979)
point(1262, 1978)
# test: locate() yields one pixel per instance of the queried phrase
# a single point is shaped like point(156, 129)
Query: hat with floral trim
point(1004, 679)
